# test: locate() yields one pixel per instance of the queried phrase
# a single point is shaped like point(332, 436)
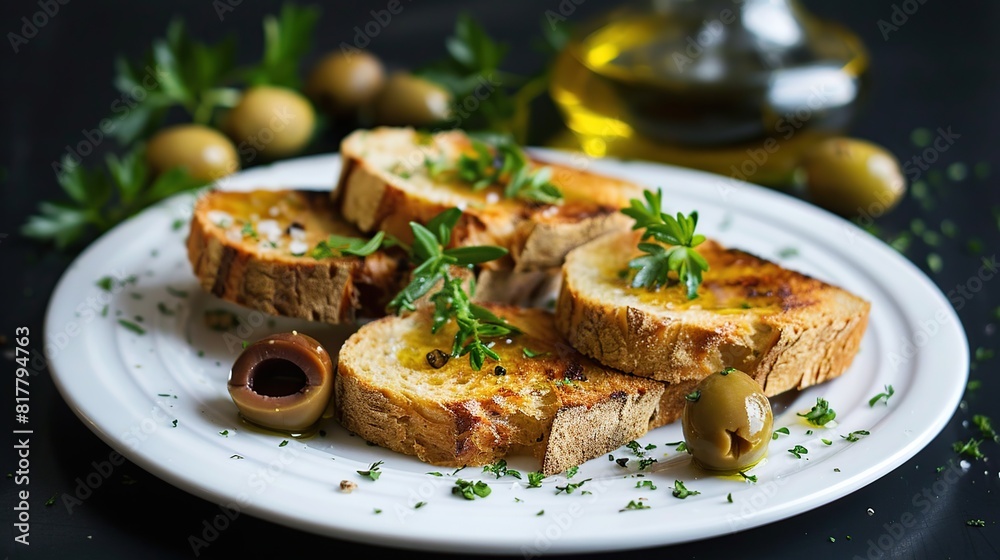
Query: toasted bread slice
point(254, 249)
point(384, 185)
point(560, 406)
point(785, 329)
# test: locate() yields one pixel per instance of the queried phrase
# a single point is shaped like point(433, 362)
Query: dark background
point(938, 70)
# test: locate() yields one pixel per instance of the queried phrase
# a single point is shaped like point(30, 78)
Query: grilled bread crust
point(560, 407)
point(384, 185)
point(243, 249)
point(787, 330)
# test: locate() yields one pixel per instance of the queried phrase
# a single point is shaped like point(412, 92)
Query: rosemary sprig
point(654, 268)
point(451, 301)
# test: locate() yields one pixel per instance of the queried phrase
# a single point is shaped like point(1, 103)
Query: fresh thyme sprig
point(498, 163)
point(653, 269)
point(451, 301)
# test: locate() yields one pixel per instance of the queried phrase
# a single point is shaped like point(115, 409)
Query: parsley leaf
point(373, 471)
point(535, 479)
point(500, 469)
point(781, 430)
point(633, 505)
point(654, 268)
point(469, 489)
point(856, 435)
point(571, 486)
point(820, 414)
point(798, 451)
point(882, 396)
point(645, 484)
point(985, 426)
point(571, 472)
point(970, 448)
point(681, 492)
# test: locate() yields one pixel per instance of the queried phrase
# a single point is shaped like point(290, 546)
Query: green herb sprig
point(451, 301)
point(101, 198)
point(820, 414)
point(681, 492)
point(339, 245)
point(469, 489)
point(653, 269)
point(889, 391)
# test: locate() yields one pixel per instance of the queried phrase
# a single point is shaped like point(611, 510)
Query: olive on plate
point(342, 82)
point(408, 100)
point(272, 122)
point(204, 152)
point(851, 177)
point(283, 382)
point(727, 422)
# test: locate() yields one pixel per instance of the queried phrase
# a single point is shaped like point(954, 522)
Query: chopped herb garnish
point(51, 500)
point(435, 473)
point(500, 469)
point(682, 447)
point(882, 396)
point(680, 491)
point(788, 252)
point(633, 504)
point(826, 441)
point(540, 513)
point(634, 447)
point(419, 505)
point(174, 423)
point(131, 326)
point(650, 446)
point(283, 443)
point(809, 432)
point(970, 448)
point(856, 435)
point(535, 479)
point(377, 511)
point(622, 462)
point(781, 430)
point(571, 472)
point(224, 433)
point(373, 471)
point(164, 309)
point(571, 486)
point(985, 426)
point(798, 451)
point(338, 245)
point(975, 523)
point(645, 484)
point(451, 301)
point(653, 269)
point(693, 396)
point(469, 489)
point(820, 414)
point(729, 497)
point(748, 477)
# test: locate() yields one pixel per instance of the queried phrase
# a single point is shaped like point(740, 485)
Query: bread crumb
point(347, 486)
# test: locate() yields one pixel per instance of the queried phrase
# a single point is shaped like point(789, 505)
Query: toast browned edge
point(478, 430)
point(331, 290)
point(812, 339)
point(538, 236)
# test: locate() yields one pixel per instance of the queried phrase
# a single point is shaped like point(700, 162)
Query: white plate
point(130, 389)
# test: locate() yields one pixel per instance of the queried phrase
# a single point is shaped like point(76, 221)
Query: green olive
point(409, 100)
point(852, 177)
point(204, 152)
point(727, 422)
point(272, 122)
point(283, 382)
point(341, 82)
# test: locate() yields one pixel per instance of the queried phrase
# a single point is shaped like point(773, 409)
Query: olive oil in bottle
point(737, 87)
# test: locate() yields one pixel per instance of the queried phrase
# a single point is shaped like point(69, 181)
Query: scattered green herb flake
point(921, 137)
point(373, 471)
point(245, 344)
point(856, 435)
point(826, 441)
point(646, 463)
point(173, 423)
point(517, 500)
point(650, 446)
point(729, 497)
point(283, 443)
point(164, 309)
point(798, 451)
point(107, 283)
point(51, 500)
point(836, 470)
point(571, 472)
point(177, 293)
point(935, 262)
point(645, 484)
point(622, 462)
point(957, 171)
point(809, 432)
point(571, 486)
point(820, 414)
point(177, 224)
point(535, 479)
point(377, 511)
point(781, 430)
point(985, 426)
point(975, 523)
point(788, 252)
point(634, 447)
point(682, 447)
point(681, 492)
point(529, 353)
point(693, 396)
point(235, 456)
point(469, 489)
point(500, 469)
point(435, 473)
point(970, 448)
point(224, 433)
point(940, 469)
point(419, 505)
point(749, 477)
point(884, 396)
point(634, 505)
point(833, 539)
point(132, 326)
point(458, 470)
point(540, 513)
point(611, 457)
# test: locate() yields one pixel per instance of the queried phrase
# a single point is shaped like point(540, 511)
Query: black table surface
point(938, 69)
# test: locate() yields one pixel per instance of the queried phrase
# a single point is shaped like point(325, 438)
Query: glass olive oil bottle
point(737, 87)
